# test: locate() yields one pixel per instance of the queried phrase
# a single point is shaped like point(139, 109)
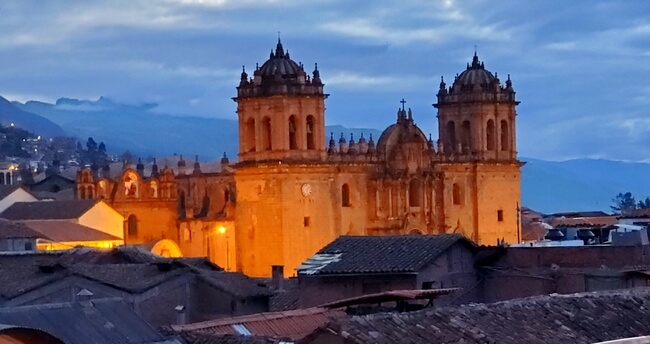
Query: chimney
point(181, 316)
point(277, 277)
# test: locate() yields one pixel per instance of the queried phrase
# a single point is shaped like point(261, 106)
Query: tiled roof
point(6, 190)
point(579, 318)
point(117, 268)
point(17, 230)
point(99, 322)
point(289, 325)
point(234, 283)
point(48, 210)
point(68, 231)
point(378, 254)
point(286, 299)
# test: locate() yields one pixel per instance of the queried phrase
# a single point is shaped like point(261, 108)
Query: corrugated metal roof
point(101, 321)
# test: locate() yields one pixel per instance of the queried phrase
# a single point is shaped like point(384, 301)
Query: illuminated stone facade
point(292, 192)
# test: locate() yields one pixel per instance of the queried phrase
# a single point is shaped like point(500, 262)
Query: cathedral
point(294, 188)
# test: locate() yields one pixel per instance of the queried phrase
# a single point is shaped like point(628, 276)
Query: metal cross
point(403, 102)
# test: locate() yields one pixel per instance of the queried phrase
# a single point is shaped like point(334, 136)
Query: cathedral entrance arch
point(415, 231)
point(166, 248)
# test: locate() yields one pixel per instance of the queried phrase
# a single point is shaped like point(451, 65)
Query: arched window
point(345, 195)
point(451, 137)
point(293, 144)
point(456, 194)
point(467, 135)
point(266, 134)
point(89, 191)
point(414, 193)
point(505, 135)
point(2, 179)
point(310, 132)
point(82, 192)
point(250, 135)
point(491, 137)
point(132, 226)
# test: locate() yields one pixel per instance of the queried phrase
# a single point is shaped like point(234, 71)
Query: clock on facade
point(306, 189)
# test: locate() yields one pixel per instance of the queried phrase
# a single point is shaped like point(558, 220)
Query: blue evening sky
point(580, 68)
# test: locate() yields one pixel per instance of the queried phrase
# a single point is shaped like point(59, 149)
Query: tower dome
point(280, 66)
point(280, 75)
point(475, 74)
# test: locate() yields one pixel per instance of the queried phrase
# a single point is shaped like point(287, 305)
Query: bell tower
point(476, 115)
point(281, 111)
point(480, 173)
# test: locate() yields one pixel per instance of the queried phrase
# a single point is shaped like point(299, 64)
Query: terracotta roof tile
point(48, 210)
point(292, 325)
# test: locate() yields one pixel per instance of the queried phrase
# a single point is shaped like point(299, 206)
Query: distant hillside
point(546, 186)
point(9, 113)
point(144, 132)
point(583, 184)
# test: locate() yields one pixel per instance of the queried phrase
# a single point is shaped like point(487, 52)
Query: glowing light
point(222, 230)
point(12, 124)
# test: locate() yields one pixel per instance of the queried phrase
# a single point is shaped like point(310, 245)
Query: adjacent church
point(295, 188)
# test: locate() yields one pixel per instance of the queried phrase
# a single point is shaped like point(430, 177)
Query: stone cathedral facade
point(295, 188)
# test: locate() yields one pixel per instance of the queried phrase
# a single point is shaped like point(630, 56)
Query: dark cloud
point(580, 69)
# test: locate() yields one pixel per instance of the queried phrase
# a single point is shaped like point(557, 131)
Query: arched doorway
point(166, 248)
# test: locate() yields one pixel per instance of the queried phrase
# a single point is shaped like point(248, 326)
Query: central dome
point(475, 74)
point(280, 64)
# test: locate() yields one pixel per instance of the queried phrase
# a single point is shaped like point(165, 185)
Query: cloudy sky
point(580, 68)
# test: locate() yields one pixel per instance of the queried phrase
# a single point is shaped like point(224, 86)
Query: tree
point(624, 203)
point(26, 175)
point(644, 204)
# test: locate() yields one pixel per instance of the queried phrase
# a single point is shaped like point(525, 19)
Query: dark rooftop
point(133, 272)
point(578, 318)
point(17, 230)
point(379, 254)
point(6, 190)
point(102, 321)
point(48, 210)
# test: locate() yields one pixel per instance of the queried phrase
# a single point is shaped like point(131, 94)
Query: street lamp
point(222, 230)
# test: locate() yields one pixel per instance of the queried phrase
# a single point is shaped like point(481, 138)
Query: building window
point(266, 134)
point(451, 137)
point(500, 215)
point(29, 246)
point(293, 144)
point(505, 133)
point(414, 193)
point(431, 285)
point(345, 195)
point(132, 226)
point(310, 132)
point(491, 138)
point(456, 194)
point(250, 136)
point(82, 193)
point(467, 136)
point(307, 221)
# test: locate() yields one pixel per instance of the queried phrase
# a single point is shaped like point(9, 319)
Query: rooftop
point(16, 230)
point(102, 321)
point(67, 231)
point(48, 210)
point(379, 254)
point(578, 318)
point(288, 325)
